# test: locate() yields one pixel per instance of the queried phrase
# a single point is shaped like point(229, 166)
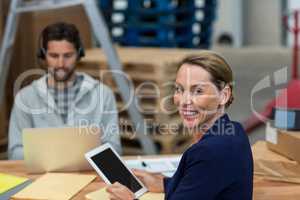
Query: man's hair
point(61, 31)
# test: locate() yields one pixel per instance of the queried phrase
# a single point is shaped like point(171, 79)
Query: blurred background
point(151, 36)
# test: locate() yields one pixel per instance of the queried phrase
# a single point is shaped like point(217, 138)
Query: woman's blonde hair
point(217, 66)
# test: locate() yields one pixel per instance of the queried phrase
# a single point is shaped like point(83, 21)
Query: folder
point(8, 182)
point(103, 195)
point(55, 186)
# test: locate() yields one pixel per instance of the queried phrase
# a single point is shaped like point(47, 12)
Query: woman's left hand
point(118, 191)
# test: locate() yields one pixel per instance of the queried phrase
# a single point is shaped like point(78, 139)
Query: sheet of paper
point(103, 195)
point(8, 182)
point(99, 194)
point(166, 166)
point(7, 195)
point(55, 186)
point(271, 134)
point(168, 174)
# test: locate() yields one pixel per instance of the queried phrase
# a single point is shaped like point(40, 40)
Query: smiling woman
point(219, 165)
point(203, 89)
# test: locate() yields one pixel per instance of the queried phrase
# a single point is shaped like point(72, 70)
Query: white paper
point(271, 133)
point(166, 166)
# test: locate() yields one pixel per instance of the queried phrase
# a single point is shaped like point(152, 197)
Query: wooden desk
point(18, 168)
point(263, 189)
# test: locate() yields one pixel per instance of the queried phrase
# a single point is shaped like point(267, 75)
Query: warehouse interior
point(257, 38)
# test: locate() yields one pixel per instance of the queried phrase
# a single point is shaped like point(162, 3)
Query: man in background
point(63, 97)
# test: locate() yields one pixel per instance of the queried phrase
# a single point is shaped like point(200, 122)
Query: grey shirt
point(64, 97)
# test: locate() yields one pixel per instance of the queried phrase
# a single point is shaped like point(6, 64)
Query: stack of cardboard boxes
point(278, 159)
point(286, 143)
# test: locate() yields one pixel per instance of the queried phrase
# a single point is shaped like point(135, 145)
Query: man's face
point(61, 57)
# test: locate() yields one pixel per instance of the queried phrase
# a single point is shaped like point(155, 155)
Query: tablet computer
point(111, 168)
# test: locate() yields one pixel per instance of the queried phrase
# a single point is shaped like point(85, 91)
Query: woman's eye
point(198, 91)
point(178, 89)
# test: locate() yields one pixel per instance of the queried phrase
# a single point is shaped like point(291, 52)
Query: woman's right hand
point(152, 181)
point(118, 191)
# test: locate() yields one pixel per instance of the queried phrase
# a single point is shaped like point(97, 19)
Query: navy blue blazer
point(219, 166)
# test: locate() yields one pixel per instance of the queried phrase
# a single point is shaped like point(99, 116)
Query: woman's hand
point(118, 191)
point(152, 181)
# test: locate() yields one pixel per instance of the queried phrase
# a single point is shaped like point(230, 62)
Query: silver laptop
point(59, 149)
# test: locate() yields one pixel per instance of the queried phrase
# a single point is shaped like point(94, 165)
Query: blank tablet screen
point(112, 167)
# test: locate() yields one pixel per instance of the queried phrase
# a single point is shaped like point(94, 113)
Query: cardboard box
point(272, 166)
point(286, 143)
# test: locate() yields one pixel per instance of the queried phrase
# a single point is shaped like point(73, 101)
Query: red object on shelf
point(289, 98)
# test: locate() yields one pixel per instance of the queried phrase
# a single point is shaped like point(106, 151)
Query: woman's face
point(196, 97)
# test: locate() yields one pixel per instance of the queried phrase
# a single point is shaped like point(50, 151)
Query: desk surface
point(263, 189)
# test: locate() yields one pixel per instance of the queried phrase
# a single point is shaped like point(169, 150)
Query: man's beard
point(67, 74)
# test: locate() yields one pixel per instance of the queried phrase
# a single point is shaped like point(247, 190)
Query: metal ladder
point(102, 36)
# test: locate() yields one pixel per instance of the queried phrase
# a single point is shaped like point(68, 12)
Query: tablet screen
point(114, 170)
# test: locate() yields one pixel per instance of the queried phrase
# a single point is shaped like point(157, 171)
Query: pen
point(142, 162)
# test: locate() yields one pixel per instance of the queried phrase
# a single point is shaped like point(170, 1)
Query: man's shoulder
point(98, 85)
point(28, 92)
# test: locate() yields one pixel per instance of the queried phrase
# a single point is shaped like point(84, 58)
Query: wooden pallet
point(159, 57)
point(151, 64)
point(166, 144)
point(144, 67)
point(168, 139)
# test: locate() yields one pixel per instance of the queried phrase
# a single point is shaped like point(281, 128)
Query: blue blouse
point(219, 166)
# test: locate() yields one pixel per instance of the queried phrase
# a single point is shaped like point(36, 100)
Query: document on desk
point(55, 186)
point(103, 195)
point(166, 166)
point(8, 182)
